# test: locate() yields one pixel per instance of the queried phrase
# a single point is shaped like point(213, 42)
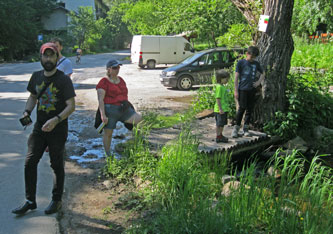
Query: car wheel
point(151, 64)
point(185, 83)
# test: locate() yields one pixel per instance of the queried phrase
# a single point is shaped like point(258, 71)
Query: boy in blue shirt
point(222, 106)
point(245, 87)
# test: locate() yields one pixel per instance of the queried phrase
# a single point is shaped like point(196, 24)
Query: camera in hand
point(25, 120)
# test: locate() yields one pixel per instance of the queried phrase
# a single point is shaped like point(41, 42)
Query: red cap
point(49, 45)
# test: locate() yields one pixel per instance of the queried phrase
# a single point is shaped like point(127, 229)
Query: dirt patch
point(89, 204)
point(92, 204)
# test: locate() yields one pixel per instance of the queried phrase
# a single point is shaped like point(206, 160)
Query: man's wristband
point(59, 118)
point(29, 112)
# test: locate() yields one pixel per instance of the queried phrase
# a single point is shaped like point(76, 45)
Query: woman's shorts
point(221, 119)
point(116, 113)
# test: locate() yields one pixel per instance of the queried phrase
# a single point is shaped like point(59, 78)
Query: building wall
point(73, 5)
point(59, 19)
point(56, 21)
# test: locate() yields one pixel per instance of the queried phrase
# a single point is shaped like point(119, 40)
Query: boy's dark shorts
point(221, 119)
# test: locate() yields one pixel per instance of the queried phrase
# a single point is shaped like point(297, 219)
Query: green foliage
point(317, 55)
point(161, 121)
point(208, 19)
point(205, 96)
point(179, 173)
point(85, 28)
point(187, 198)
point(309, 13)
point(20, 25)
point(309, 104)
point(237, 35)
point(115, 33)
point(137, 160)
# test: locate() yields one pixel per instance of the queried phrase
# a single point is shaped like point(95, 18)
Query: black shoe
point(222, 139)
point(53, 207)
point(24, 208)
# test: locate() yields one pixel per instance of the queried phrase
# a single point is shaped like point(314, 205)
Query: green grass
point(161, 121)
point(184, 190)
point(185, 185)
point(313, 55)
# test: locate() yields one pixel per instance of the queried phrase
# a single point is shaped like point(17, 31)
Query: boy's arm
point(218, 101)
point(257, 83)
point(236, 85)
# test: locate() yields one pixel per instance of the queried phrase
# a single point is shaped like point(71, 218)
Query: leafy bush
point(205, 97)
point(309, 104)
point(237, 35)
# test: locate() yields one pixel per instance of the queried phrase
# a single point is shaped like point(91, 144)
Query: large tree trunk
point(276, 47)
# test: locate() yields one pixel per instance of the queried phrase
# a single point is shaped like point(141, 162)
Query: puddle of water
point(93, 147)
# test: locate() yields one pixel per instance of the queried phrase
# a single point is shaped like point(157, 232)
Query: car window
point(213, 58)
point(191, 58)
point(235, 54)
point(225, 56)
point(203, 60)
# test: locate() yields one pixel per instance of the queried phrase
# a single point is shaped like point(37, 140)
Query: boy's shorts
point(221, 119)
point(115, 113)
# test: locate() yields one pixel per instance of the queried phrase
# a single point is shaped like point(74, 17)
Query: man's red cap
point(49, 45)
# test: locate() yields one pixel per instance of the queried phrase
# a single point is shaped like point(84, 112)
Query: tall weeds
point(187, 190)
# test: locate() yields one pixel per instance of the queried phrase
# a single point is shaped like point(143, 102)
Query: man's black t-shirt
point(53, 100)
point(247, 71)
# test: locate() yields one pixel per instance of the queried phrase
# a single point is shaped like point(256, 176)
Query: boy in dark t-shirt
point(245, 84)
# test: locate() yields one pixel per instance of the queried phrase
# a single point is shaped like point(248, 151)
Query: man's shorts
point(221, 119)
point(115, 113)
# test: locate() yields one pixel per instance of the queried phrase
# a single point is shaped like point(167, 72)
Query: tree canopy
point(20, 25)
point(207, 18)
point(308, 14)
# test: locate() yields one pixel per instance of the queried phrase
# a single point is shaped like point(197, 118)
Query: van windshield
point(191, 58)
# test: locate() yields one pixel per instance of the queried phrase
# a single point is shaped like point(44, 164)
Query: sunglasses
point(115, 68)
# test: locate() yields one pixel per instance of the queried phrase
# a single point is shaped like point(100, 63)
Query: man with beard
point(54, 94)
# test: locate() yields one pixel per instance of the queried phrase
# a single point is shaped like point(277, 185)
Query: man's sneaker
point(246, 131)
point(234, 133)
point(222, 139)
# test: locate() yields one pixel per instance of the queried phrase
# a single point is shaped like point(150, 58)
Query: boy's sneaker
point(234, 133)
point(246, 131)
point(222, 139)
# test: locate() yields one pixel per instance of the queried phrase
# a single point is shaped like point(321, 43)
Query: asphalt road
point(13, 145)
point(144, 88)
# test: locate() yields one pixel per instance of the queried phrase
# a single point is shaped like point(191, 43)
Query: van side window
point(187, 47)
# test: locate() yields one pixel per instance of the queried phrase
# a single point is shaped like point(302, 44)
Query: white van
point(151, 50)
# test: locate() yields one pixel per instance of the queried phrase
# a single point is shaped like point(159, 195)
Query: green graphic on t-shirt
point(48, 99)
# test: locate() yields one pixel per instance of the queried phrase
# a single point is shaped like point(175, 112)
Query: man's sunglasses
point(115, 68)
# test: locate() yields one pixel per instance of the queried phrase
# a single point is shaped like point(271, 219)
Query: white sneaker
point(234, 133)
point(246, 131)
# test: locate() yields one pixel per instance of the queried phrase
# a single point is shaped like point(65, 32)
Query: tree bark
point(276, 47)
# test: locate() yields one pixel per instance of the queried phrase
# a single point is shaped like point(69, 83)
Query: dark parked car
point(199, 68)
